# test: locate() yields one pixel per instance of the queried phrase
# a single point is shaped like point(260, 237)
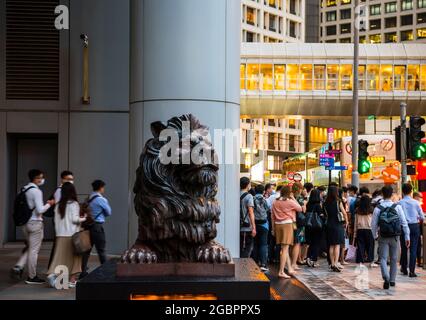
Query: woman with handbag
point(363, 236)
point(67, 223)
point(283, 217)
point(299, 233)
point(314, 227)
point(336, 219)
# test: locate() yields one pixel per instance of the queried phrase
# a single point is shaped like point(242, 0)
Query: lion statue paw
point(139, 254)
point(213, 252)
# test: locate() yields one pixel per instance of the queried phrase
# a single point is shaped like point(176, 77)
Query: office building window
point(407, 20)
point(345, 28)
point(421, 17)
point(375, 9)
point(331, 3)
point(421, 3)
point(292, 32)
point(345, 2)
point(306, 77)
point(292, 77)
point(361, 77)
point(243, 76)
point(390, 7)
point(362, 39)
point(345, 40)
point(413, 77)
point(373, 82)
point(332, 77)
point(291, 143)
point(390, 22)
point(423, 77)
point(375, 24)
point(390, 37)
point(331, 16)
point(421, 33)
point(375, 38)
point(252, 77)
point(291, 123)
point(251, 16)
point(250, 37)
point(279, 72)
point(271, 141)
point(346, 77)
point(399, 78)
point(406, 5)
point(407, 35)
point(266, 77)
point(331, 30)
point(293, 7)
point(386, 82)
point(345, 14)
point(319, 77)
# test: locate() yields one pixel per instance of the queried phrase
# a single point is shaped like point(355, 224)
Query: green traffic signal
point(417, 149)
point(420, 151)
point(364, 166)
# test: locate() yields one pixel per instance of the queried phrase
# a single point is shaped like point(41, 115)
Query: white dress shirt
point(35, 200)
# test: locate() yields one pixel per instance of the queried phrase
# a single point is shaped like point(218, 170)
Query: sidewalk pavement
point(355, 283)
point(19, 290)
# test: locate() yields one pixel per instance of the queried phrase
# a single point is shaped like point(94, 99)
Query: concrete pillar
point(185, 57)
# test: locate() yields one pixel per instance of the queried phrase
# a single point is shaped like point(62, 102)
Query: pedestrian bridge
point(316, 79)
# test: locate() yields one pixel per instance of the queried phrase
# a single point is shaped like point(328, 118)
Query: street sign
point(333, 152)
point(290, 176)
point(337, 168)
point(326, 162)
point(297, 177)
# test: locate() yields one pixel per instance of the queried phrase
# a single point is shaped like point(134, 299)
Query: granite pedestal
point(249, 283)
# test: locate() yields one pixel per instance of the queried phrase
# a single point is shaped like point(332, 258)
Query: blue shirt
point(100, 207)
point(412, 210)
point(401, 215)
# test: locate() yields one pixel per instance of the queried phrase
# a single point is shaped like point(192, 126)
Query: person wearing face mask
point(33, 229)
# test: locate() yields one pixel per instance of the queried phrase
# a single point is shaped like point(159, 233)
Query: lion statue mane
point(176, 203)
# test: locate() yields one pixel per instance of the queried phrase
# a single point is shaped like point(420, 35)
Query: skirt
point(64, 256)
point(284, 234)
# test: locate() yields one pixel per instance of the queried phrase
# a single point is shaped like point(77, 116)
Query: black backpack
point(244, 221)
point(260, 210)
point(389, 222)
point(21, 211)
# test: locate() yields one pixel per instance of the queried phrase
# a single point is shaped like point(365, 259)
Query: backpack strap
point(24, 191)
point(90, 201)
point(245, 194)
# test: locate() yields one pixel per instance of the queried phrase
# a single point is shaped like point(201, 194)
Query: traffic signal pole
point(355, 108)
point(403, 142)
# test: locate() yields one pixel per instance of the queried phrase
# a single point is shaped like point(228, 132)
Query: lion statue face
point(176, 188)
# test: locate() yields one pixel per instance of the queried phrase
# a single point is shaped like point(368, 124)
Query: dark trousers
point(315, 238)
point(246, 244)
point(364, 246)
point(97, 237)
point(414, 240)
point(419, 245)
point(260, 251)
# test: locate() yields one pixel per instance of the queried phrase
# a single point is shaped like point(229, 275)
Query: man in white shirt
point(33, 229)
point(66, 176)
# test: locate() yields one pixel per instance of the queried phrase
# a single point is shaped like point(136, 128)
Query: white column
point(185, 57)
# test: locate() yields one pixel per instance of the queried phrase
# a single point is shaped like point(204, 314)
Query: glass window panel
point(421, 33)
point(242, 76)
point(373, 77)
point(413, 77)
point(252, 77)
point(306, 76)
point(399, 78)
point(320, 77)
point(332, 77)
point(266, 77)
point(292, 77)
point(279, 72)
point(375, 38)
point(361, 77)
point(423, 79)
point(346, 77)
point(386, 77)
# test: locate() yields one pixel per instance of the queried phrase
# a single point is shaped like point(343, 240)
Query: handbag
point(81, 242)
point(313, 220)
point(340, 215)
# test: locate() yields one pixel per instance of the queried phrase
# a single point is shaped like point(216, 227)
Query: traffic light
point(417, 149)
point(364, 165)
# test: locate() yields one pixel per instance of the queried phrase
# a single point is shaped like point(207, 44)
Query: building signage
point(330, 135)
point(337, 168)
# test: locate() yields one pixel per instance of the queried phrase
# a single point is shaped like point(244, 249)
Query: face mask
point(42, 182)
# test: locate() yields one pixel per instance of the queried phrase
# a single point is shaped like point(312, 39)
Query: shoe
point(16, 273)
point(72, 284)
point(335, 269)
point(309, 263)
point(51, 280)
point(404, 272)
point(386, 285)
point(373, 265)
point(392, 284)
point(315, 265)
point(35, 280)
point(339, 266)
point(413, 275)
point(264, 269)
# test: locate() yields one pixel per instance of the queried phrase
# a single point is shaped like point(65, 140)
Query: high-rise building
point(386, 21)
point(273, 20)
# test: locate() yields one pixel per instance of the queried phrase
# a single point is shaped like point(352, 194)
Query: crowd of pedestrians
point(295, 225)
point(69, 218)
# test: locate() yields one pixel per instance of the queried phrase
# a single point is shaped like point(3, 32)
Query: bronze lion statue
point(176, 202)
